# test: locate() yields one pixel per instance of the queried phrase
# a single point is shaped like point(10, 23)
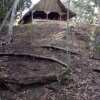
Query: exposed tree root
point(94, 58)
point(14, 85)
point(38, 57)
point(96, 70)
point(60, 48)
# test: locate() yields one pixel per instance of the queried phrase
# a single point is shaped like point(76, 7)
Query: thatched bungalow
point(48, 9)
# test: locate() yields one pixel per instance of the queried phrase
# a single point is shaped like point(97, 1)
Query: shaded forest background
point(87, 10)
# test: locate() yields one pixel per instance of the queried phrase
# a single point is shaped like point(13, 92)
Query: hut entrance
point(53, 16)
point(64, 17)
point(27, 18)
point(39, 15)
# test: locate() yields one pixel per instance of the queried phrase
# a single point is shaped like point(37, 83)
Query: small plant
point(97, 47)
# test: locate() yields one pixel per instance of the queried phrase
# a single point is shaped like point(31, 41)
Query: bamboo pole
point(67, 36)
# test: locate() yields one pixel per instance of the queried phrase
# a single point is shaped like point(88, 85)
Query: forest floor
point(83, 83)
point(86, 75)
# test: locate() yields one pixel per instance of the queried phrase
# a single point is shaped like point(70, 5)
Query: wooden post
point(47, 15)
point(60, 17)
point(33, 16)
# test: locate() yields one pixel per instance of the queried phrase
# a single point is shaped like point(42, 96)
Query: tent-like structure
point(48, 9)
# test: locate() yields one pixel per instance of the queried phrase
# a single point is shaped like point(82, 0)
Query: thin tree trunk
point(12, 20)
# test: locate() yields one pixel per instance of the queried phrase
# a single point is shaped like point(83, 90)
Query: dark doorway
point(64, 17)
point(39, 15)
point(53, 16)
point(27, 18)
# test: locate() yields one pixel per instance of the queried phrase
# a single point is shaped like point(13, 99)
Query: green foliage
point(23, 4)
point(2, 12)
point(85, 9)
point(97, 2)
point(5, 5)
point(97, 47)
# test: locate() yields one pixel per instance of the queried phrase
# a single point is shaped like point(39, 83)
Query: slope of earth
point(86, 71)
point(50, 47)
